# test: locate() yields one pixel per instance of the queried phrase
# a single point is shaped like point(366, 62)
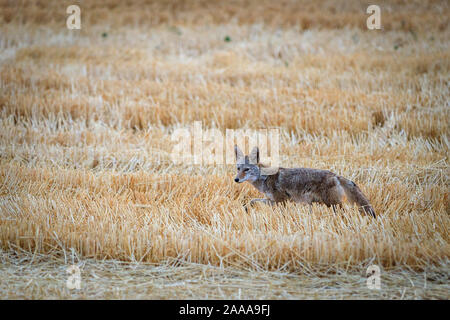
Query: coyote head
point(247, 166)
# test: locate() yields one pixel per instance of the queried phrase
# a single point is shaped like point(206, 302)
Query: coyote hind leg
point(333, 197)
point(336, 207)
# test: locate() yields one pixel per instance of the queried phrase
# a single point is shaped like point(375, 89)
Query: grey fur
point(301, 185)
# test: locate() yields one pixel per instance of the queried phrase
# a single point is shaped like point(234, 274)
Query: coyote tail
point(355, 195)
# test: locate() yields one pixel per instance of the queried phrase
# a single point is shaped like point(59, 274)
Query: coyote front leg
point(266, 201)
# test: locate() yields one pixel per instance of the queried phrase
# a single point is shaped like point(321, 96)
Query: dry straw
point(86, 119)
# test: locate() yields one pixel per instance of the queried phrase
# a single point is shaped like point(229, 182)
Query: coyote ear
point(254, 155)
point(238, 153)
point(268, 171)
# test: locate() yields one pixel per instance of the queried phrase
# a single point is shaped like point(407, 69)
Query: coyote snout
point(298, 184)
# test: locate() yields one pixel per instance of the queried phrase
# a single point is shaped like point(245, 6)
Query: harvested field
point(86, 124)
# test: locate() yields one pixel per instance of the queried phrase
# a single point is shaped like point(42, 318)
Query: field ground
point(25, 276)
point(86, 118)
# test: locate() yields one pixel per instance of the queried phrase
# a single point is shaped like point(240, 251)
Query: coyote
point(298, 184)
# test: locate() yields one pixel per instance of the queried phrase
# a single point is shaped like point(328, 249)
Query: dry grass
point(86, 119)
point(34, 276)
